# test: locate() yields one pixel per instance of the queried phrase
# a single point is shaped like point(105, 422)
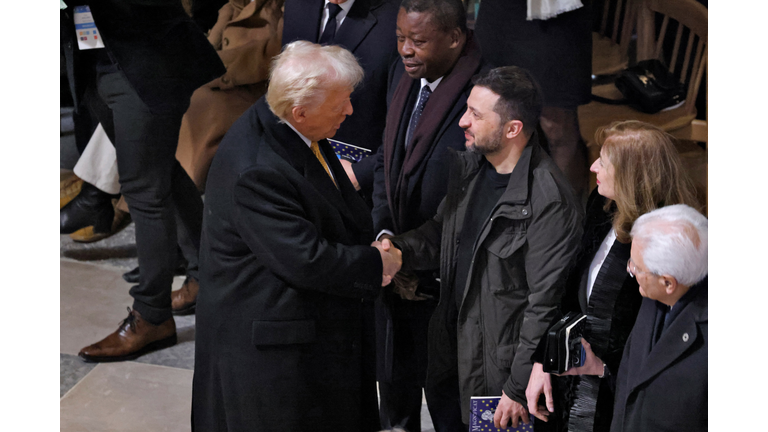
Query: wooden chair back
point(688, 20)
point(622, 24)
point(617, 21)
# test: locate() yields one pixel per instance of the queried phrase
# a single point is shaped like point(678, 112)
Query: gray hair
point(304, 72)
point(674, 240)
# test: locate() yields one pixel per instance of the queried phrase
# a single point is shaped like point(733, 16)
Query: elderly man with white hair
point(285, 263)
point(662, 381)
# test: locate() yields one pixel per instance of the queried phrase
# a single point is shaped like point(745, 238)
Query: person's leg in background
point(444, 404)
point(189, 225)
point(400, 404)
point(568, 150)
point(91, 215)
point(145, 143)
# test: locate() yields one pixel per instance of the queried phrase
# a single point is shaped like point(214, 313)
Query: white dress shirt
point(599, 259)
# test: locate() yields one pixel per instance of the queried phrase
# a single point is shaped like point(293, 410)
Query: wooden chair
point(692, 23)
point(610, 44)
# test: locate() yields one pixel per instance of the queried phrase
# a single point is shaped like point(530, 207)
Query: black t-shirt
point(488, 189)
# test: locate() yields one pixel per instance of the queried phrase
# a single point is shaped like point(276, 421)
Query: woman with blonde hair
point(638, 171)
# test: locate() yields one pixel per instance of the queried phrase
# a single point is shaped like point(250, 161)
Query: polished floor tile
point(93, 303)
point(129, 396)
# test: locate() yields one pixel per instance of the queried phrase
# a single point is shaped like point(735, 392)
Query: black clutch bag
point(564, 349)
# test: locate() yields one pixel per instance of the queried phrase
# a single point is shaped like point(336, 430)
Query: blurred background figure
point(246, 36)
point(553, 40)
point(139, 84)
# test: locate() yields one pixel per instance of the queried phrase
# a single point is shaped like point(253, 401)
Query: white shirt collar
point(345, 7)
point(306, 140)
point(432, 85)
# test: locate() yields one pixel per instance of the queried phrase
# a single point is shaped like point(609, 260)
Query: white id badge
point(88, 36)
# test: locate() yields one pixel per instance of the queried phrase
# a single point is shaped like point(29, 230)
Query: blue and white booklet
point(348, 151)
point(482, 409)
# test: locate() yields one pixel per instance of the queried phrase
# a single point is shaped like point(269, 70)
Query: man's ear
point(299, 114)
point(513, 128)
point(455, 38)
point(670, 284)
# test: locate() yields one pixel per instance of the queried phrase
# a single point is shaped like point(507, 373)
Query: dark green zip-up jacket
point(520, 262)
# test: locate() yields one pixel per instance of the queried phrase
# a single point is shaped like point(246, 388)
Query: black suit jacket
point(161, 51)
point(664, 388)
point(368, 31)
point(285, 263)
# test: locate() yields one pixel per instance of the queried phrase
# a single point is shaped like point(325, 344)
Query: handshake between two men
point(391, 259)
point(405, 284)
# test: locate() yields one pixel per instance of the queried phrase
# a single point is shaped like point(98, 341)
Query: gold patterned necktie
point(316, 150)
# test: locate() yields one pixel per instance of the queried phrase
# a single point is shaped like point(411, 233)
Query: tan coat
point(246, 36)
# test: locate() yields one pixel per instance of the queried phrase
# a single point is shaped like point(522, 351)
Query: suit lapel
point(416, 177)
point(641, 336)
point(674, 342)
point(295, 151)
point(353, 208)
point(284, 140)
point(356, 25)
point(398, 154)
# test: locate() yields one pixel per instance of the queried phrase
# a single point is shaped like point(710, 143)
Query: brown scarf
point(439, 105)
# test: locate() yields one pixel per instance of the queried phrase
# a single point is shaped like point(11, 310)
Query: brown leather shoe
point(184, 299)
point(134, 337)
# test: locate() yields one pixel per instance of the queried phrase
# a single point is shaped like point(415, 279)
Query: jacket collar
point(517, 189)
point(676, 340)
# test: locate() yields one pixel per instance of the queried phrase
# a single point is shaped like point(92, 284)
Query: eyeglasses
point(632, 269)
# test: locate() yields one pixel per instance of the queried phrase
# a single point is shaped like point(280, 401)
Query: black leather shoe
point(134, 275)
point(91, 207)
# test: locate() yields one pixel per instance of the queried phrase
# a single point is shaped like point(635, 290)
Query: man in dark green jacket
point(502, 264)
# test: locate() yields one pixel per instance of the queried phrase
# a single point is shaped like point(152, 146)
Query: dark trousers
point(444, 404)
point(400, 404)
point(158, 191)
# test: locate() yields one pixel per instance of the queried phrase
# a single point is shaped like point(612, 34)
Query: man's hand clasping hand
point(391, 258)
